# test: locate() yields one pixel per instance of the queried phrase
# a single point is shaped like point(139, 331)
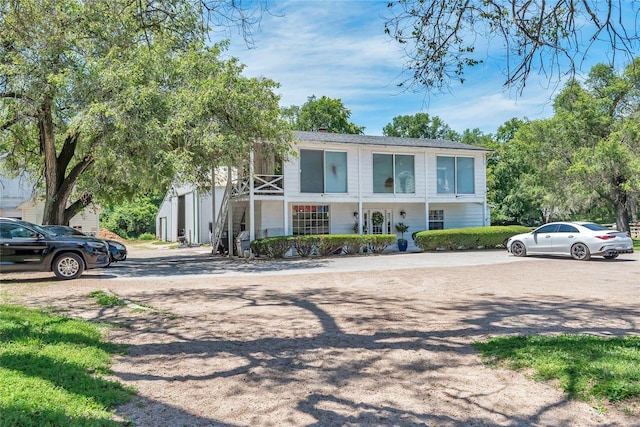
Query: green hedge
point(306, 245)
point(272, 247)
point(323, 244)
point(467, 238)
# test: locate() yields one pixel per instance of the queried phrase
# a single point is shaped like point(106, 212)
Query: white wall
point(13, 193)
point(270, 219)
point(198, 208)
point(461, 215)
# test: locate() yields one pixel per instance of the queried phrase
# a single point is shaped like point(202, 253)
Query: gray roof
point(343, 138)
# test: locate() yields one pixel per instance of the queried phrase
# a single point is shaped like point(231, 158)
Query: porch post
point(426, 210)
point(285, 216)
point(252, 224)
point(213, 207)
point(229, 190)
point(360, 216)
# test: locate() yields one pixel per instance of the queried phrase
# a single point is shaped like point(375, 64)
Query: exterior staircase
point(221, 220)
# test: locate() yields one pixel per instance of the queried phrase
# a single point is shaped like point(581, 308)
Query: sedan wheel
point(518, 248)
point(68, 266)
point(580, 251)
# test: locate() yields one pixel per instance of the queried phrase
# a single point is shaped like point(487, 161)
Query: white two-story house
point(342, 183)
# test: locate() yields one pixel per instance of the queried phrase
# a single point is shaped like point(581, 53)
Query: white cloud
point(338, 49)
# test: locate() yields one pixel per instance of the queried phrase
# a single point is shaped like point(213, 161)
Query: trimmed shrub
point(467, 238)
point(330, 243)
point(323, 244)
point(272, 247)
point(377, 243)
point(352, 244)
point(306, 245)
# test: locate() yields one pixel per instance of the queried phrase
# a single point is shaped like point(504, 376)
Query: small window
point(436, 219)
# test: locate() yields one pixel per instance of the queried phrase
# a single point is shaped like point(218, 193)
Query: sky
point(339, 49)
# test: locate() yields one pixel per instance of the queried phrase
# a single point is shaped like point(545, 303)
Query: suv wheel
point(68, 266)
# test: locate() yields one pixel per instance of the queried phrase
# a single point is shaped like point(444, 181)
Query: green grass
point(588, 368)
point(161, 243)
point(636, 244)
point(52, 369)
point(106, 300)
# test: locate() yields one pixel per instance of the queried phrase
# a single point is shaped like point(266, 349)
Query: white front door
point(379, 221)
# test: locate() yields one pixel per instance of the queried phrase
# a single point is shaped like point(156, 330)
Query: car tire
point(518, 248)
point(68, 266)
point(580, 251)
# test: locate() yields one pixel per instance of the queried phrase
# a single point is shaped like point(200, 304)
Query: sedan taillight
point(605, 237)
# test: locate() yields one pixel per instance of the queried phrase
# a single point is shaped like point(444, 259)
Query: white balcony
point(263, 185)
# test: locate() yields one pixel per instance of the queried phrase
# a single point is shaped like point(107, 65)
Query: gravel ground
point(367, 340)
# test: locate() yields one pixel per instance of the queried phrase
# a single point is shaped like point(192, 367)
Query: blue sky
point(339, 49)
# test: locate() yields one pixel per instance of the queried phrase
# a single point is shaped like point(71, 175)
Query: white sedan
point(580, 240)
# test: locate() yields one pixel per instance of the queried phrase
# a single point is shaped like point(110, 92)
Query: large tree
point(514, 184)
point(110, 98)
point(324, 113)
point(419, 125)
point(440, 37)
point(589, 151)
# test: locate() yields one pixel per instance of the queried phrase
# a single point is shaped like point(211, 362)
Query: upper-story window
point(323, 171)
point(393, 173)
point(455, 175)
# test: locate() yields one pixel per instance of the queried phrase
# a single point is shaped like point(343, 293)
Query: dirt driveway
point(372, 340)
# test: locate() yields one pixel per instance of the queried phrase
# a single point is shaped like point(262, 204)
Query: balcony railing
point(269, 185)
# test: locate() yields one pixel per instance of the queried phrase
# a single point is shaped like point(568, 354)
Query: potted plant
point(402, 242)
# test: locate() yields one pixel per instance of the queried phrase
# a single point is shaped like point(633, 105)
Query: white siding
point(341, 219)
point(461, 215)
point(197, 216)
point(87, 221)
point(270, 219)
point(32, 212)
point(14, 192)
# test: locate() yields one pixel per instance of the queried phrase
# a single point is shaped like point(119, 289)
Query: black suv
point(28, 247)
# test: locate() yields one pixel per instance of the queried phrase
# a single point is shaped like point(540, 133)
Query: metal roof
point(342, 138)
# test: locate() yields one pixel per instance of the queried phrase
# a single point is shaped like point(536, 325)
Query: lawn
point(588, 368)
point(52, 371)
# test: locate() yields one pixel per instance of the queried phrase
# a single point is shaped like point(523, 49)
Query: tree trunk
point(620, 202)
point(620, 199)
point(59, 185)
point(48, 149)
point(622, 217)
point(633, 207)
